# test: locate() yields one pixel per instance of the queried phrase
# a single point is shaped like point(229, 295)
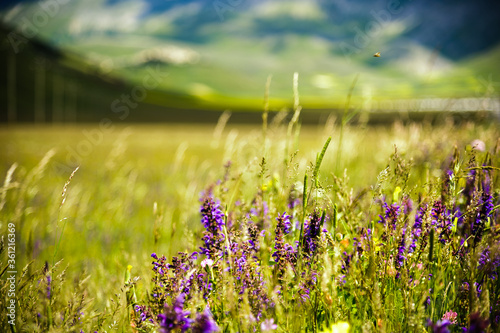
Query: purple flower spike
point(205, 323)
point(483, 210)
point(212, 216)
point(175, 317)
point(213, 221)
point(283, 252)
point(284, 222)
point(417, 228)
point(49, 286)
point(489, 263)
point(401, 257)
point(312, 230)
point(391, 214)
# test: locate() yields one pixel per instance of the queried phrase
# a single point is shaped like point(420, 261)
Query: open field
point(138, 188)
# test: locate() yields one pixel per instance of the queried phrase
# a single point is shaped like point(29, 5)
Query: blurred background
point(186, 61)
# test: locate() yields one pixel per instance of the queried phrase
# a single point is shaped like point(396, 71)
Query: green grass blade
point(319, 159)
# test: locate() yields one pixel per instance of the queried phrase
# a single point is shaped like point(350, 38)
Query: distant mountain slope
point(221, 51)
point(45, 84)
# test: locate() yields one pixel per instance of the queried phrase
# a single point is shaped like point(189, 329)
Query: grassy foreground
point(380, 229)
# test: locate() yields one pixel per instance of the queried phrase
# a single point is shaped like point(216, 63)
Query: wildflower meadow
point(279, 228)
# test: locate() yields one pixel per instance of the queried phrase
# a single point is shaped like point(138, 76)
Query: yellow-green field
point(138, 187)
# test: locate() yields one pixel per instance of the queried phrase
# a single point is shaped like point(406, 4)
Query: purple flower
point(308, 284)
point(346, 262)
point(441, 220)
point(479, 288)
point(437, 212)
point(213, 221)
point(241, 262)
point(400, 258)
point(211, 215)
point(312, 231)
point(483, 210)
point(49, 286)
point(144, 314)
point(391, 214)
point(489, 263)
point(283, 253)
point(417, 228)
point(448, 176)
point(284, 222)
point(249, 280)
point(253, 234)
point(441, 326)
point(175, 317)
point(304, 293)
point(407, 205)
point(203, 280)
point(477, 324)
point(170, 279)
point(204, 323)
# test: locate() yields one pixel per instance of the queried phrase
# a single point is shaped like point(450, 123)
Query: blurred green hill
point(215, 55)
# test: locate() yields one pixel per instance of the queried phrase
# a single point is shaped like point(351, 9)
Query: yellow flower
point(377, 243)
point(339, 327)
point(395, 195)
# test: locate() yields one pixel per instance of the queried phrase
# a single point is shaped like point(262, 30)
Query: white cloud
point(298, 9)
point(94, 16)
